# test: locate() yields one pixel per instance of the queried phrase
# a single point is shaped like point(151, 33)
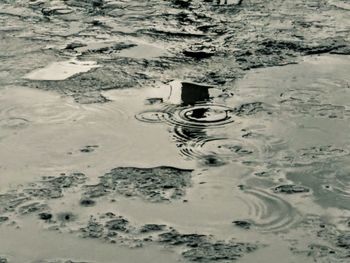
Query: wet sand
point(205, 132)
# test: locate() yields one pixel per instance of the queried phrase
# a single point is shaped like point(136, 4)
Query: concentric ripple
point(207, 115)
point(233, 146)
point(156, 116)
point(13, 123)
point(223, 148)
point(204, 116)
point(36, 107)
point(44, 113)
point(198, 116)
point(269, 212)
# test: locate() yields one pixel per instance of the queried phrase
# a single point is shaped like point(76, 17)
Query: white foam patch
point(61, 70)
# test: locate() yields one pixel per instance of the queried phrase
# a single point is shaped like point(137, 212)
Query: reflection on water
point(190, 112)
point(195, 115)
point(290, 129)
point(192, 93)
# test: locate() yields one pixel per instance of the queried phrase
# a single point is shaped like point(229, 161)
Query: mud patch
point(149, 228)
point(174, 238)
point(203, 249)
point(32, 198)
point(333, 244)
point(154, 184)
point(209, 252)
point(58, 261)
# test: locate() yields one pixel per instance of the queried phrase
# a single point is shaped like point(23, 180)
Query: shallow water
point(225, 141)
point(272, 153)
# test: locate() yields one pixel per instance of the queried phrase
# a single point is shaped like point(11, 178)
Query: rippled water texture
point(266, 161)
point(227, 140)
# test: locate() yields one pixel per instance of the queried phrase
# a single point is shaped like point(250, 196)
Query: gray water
point(174, 131)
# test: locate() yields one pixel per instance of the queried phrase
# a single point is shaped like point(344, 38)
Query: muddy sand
point(174, 131)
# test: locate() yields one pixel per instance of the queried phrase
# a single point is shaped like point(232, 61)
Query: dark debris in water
point(88, 148)
point(242, 224)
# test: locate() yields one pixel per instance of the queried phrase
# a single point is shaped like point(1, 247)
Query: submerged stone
point(291, 189)
point(45, 216)
point(87, 202)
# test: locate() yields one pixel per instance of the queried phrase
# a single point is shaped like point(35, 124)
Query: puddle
point(143, 51)
point(252, 165)
point(50, 131)
point(163, 131)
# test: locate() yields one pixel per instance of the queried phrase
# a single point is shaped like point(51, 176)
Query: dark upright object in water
point(192, 93)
